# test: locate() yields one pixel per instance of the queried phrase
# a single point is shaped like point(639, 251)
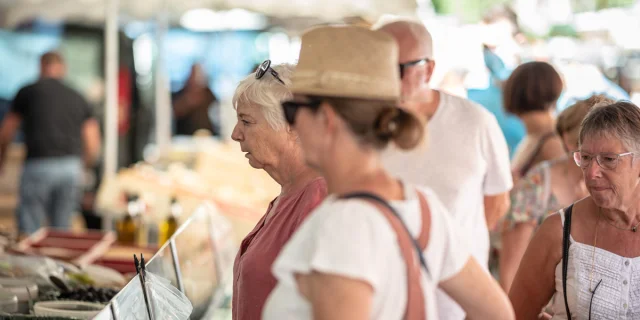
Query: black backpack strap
point(375, 198)
point(566, 242)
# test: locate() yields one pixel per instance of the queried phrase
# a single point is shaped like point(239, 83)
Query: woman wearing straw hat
point(376, 248)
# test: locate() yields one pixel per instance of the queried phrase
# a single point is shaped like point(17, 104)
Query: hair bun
point(386, 124)
point(398, 125)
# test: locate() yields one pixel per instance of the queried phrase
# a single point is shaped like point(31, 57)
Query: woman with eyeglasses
point(270, 144)
point(547, 187)
point(587, 256)
point(376, 248)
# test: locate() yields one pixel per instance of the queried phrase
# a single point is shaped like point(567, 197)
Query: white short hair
point(267, 92)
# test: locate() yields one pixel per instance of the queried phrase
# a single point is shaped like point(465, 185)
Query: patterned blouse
point(531, 198)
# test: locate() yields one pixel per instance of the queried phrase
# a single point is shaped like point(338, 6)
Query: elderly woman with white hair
point(270, 144)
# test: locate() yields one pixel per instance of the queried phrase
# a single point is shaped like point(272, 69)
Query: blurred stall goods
point(219, 174)
point(67, 309)
point(24, 289)
point(80, 249)
point(31, 284)
point(10, 178)
point(36, 268)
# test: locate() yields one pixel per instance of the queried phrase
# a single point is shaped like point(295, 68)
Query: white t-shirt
point(352, 238)
point(463, 158)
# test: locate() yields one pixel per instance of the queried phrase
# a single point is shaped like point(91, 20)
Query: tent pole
point(163, 100)
point(111, 90)
point(111, 97)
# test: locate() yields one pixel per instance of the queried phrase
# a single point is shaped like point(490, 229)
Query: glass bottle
point(170, 225)
point(127, 228)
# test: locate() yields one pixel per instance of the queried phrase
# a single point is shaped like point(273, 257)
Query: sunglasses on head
point(290, 108)
point(403, 66)
point(264, 67)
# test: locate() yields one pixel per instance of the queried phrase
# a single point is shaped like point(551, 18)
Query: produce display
point(32, 280)
point(219, 174)
point(83, 293)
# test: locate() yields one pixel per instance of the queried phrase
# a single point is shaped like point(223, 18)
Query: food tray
point(80, 249)
point(120, 257)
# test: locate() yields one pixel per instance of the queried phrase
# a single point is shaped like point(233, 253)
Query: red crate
point(80, 249)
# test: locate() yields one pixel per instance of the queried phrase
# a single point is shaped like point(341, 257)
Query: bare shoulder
point(549, 238)
point(551, 227)
point(552, 148)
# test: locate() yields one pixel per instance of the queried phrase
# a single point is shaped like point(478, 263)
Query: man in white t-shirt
point(464, 158)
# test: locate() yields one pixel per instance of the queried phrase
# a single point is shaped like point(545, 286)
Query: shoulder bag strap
point(415, 296)
point(566, 241)
point(527, 166)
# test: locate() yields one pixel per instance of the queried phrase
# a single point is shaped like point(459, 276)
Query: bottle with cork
point(127, 227)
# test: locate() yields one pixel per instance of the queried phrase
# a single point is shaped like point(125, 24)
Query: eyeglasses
point(605, 160)
point(403, 66)
point(264, 67)
point(290, 108)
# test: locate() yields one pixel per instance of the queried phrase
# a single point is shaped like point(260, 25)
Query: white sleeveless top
point(617, 297)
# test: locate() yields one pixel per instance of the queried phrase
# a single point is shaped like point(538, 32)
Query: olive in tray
point(84, 293)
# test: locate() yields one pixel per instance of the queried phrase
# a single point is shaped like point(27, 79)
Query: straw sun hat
point(348, 62)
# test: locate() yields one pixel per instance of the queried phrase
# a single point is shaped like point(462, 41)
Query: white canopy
point(13, 12)
point(112, 12)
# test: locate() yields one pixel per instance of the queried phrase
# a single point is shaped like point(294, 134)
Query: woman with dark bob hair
point(531, 93)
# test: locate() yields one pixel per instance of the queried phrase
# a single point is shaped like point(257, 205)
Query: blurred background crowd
point(158, 77)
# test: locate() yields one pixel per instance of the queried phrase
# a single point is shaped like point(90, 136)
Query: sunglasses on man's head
point(264, 67)
point(290, 108)
point(405, 65)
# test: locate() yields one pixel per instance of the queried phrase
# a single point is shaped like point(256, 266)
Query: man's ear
point(430, 66)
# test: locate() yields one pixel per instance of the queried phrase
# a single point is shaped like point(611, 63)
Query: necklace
point(593, 256)
point(632, 229)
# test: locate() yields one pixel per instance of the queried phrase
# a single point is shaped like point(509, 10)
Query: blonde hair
point(267, 92)
point(570, 119)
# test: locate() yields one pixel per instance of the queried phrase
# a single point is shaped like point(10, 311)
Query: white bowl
point(75, 309)
point(24, 289)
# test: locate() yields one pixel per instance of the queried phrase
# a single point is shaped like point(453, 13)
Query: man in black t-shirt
point(60, 135)
point(191, 104)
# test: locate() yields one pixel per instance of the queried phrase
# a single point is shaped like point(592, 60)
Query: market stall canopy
point(14, 12)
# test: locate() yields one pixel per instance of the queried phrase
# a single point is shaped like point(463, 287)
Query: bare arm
point(514, 244)
point(334, 297)
point(534, 284)
point(92, 141)
point(495, 207)
point(478, 294)
point(10, 125)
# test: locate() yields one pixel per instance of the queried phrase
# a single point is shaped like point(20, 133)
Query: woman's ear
point(327, 117)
